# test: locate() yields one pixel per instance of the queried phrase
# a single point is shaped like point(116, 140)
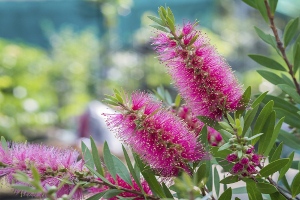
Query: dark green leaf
point(286, 184)
point(250, 3)
point(267, 62)
point(209, 175)
point(108, 160)
point(130, 167)
point(230, 179)
point(264, 140)
point(295, 187)
point(208, 121)
point(154, 185)
point(271, 77)
point(287, 80)
point(221, 154)
point(160, 28)
point(290, 31)
point(167, 191)
point(87, 156)
point(273, 167)
point(296, 57)
point(289, 139)
point(216, 181)
point(244, 101)
point(269, 39)
point(111, 193)
point(261, 119)
point(274, 136)
point(276, 155)
point(290, 118)
point(253, 192)
point(249, 117)
point(96, 157)
point(97, 174)
point(157, 20)
point(273, 5)
point(96, 196)
point(203, 135)
point(280, 103)
point(287, 166)
point(266, 188)
point(4, 143)
point(227, 194)
point(260, 5)
point(225, 165)
point(122, 170)
point(277, 196)
point(290, 91)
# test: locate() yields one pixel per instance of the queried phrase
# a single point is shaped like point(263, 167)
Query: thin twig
point(280, 45)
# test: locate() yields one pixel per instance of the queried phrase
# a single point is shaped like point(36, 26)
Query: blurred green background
point(56, 56)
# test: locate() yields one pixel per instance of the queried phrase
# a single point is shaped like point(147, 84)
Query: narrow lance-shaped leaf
point(260, 5)
point(269, 39)
point(287, 166)
point(4, 143)
point(267, 129)
point(157, 20)
point(276, 155)
point(290, 31)
point(290, 91)
point(160, 28)
point(108, 160)
point(267, 62)
point(296, 57)
point(96, 157)
point(88, 158)
point(216, 181)
point(271, 77)
point(227, 194)
point(289, 139)
point(253, 192)
point(122, 170)
point(273, 5)
point(295, 187)
point(273, 167)
point(274, 136)
point(266, 188)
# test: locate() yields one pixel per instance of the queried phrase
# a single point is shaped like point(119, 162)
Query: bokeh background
point(59, 57)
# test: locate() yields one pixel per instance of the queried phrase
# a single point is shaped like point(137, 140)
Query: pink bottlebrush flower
point(61, 163)
point(159, 137)
point(203, 77)
point(121, 183)
point(195, 125)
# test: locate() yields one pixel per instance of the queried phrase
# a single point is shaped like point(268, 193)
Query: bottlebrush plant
point(195, 147)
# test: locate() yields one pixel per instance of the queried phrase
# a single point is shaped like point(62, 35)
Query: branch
point(280, 45)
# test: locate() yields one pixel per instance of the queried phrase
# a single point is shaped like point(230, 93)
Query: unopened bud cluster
point(243, 157)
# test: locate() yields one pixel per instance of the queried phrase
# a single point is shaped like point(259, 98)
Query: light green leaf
point(261, 119)
point(171, 15)
point(154, 185)
point(25, 188)
point(227, 194)
point(157, 20)
point(225, 146)
point(96, 157)
point(266, 188)
point(171, 24)
point(225, 135)
point(4, 143)
point(271, 77)
point(295, 187)
point(87, 156)
point(200, 174)
point(97, 174)
point(273, 5)
point(290, 91)
point(160, 28)
point(177, 100)
point(290, 31)
point(122, 170)
point(273, 167)
point(258, 100)
point(267, 62)
point(108, 160)
point(260, 5)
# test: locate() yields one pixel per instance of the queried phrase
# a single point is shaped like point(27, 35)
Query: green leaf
point(122, 170)
point(249, 117)
point(177, 100)
point(167, 191)
point(225, 146)
point(200, 174)
point(98, 175)
point(267, 62)
point(4, 143)
point(274, 136)
point(250, 3)
point(227, 167)
point(286, 184)
point(111, 193)
point(154, 185)
point(290, 91)
point(171, 15)
point(260, 5)
point(258, 100)
point(296, 57)
point(273, 167)
point(253, 192)
point(96, 196)
point(170, 24)
point(25, 188)
point(290, 31)
point(227, 194)
point(131, 169)
point(108, 160)
point(290, 118)
point(266, 188)
point(287, 166)
point(276, 155)
point(267, 129)
point(225, 135)
point(271, 77)
point(289, 139)
point(87, 156)
point(269, 39)
point(295, 187)
point(273, 5)
point(209, 174)
point(157, 20)
point(277, 196)
point(262, 118)
point(221, 154)
point(230, 179)
point(160, 28)
point(280, 103)
point(287, 80)
point(209, 122)
point(216, 181)
point(96, 157)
